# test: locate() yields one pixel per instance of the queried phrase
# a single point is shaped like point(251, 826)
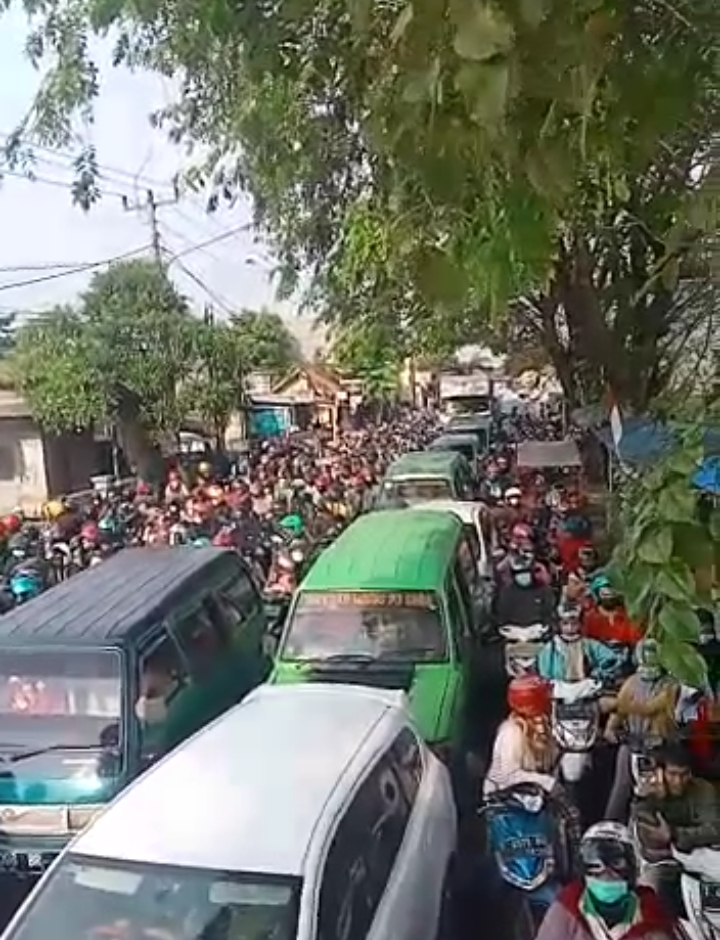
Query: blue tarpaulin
point(708, 476)
point(645, 440)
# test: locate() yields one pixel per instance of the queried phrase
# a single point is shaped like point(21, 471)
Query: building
point(35, 465)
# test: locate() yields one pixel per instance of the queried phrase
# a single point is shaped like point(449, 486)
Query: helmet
point(204, 469)
point(608, 846)
point(24, 585)
point(294, 524)
point(54, 509)
point(569, 618)
point(597, 584)
point(647, 655)
point(512, 494)
point(90, 532)
point(529, 696)
point(13, 523)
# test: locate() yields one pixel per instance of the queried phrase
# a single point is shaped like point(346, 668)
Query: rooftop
point(100, 605)
point(246, 793)
point(423, 463)
point(393, 550)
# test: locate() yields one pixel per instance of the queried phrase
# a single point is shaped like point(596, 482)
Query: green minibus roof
point(393, 550)
point(425, 463)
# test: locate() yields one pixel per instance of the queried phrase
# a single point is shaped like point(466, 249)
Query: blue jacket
point(601, 662)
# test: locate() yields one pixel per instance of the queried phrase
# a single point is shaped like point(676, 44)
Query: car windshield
point(56, 702)
point(419, 490)
point(404, 626)
point(133, 901)
point(467, 450)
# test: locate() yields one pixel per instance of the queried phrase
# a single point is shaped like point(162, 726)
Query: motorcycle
point(530, 852)
point(522, 647)
point(575, 722)
point(700, 885)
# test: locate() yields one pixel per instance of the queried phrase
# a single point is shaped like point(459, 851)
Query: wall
point(23, 480)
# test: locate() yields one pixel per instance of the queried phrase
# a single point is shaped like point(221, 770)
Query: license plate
point(525, 845)
point(574, 711)
point(710, 895)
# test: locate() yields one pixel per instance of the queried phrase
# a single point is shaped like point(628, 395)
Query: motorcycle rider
point(570, 657)
point(524, 750)
point(606, 903)
point(680, 810)
point(645, 708)
point(525, 600)
point(607, 620)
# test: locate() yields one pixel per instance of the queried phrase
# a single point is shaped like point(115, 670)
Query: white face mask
point(151, 711)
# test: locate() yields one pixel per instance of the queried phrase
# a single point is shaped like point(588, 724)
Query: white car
point(306, 811)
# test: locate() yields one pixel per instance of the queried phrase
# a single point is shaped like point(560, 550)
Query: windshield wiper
point(354, 659)
point(38, 751)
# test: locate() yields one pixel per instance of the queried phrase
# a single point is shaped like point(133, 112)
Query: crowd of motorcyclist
point(289, 497)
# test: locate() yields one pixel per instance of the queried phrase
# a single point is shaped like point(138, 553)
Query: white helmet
point(609, 845)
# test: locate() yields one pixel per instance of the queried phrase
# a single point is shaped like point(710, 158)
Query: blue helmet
point(24, 585)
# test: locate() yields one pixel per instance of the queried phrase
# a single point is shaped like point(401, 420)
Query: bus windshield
point(388, 626)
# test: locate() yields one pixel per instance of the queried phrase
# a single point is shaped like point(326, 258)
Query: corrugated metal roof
point(103, 604)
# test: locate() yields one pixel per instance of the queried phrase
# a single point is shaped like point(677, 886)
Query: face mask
point(610, 603)
point(151, 711)
point(523, 578)
point(607, 892)
point(649, 673)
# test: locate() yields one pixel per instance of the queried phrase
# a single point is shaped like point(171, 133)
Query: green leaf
point(684, 460)
point(677, 503)
point(679, 621)
point(656, 545)
point(692, 544)
point(401, 24)
point(715, 525)
point(485, 87)
point(532, 12)
point(683, 662)
point(483, 31)
point(637, 587)
point(676, 582)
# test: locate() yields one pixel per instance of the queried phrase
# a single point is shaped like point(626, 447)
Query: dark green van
point(109, 671)
point(420, 476)
point(387, 605)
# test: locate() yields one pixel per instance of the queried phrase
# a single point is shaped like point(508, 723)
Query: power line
point(79, 270)
point(135, 177)
point(151, 206)
point(188, 241)
point(211, 241)
point(224, 305)
point(32, 177)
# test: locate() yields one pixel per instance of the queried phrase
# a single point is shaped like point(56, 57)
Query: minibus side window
point(458, 605)
point(163, 680)
point(201, 640)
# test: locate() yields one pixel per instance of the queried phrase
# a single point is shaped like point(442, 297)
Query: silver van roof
point(247, 792)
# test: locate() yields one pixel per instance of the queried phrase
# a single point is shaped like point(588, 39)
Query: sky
point(40, 226)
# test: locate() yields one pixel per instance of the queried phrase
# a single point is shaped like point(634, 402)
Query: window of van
point(403, 625)
point(362, 855)
point(62, 700)
point(163, 680)
point(418, 490)
point(200, 639)
point(140, 901)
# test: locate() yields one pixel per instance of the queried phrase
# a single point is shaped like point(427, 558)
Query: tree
point(669, 540)
point(369, 353)
point(265, 342)
point(119, 359)
point(8, 324)
point(215, 389)
point(469, 151)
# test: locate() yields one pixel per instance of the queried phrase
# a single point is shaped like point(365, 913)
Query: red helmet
point(90, 532)
point(12, 523)
point(529, 696)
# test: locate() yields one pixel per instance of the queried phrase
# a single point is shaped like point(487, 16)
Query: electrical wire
point(135, 177)
point(79, 270)
point(211, 241)
point(32, 177)
point(223, 304)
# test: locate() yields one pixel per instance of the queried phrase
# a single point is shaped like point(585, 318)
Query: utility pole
point(151, 206)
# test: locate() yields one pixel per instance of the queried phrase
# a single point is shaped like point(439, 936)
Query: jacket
point(599, 661)
point(565, 919)
point(694, 817)
point(612, 626)
point(525, 606)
